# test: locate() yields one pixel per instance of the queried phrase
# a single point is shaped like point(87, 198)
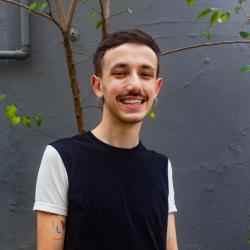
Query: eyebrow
point(119, 65)
point(126, 66)
point(147, 67)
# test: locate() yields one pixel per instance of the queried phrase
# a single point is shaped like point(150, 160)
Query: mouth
point(132, 99)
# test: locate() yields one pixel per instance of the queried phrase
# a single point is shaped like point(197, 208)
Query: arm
point(51, 201)
point(171, 242)
point(50, 231)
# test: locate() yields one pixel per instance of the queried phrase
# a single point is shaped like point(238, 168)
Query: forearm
point(50, 231)
point(171, 243)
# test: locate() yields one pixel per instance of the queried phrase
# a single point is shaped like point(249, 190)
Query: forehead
point(131, 54)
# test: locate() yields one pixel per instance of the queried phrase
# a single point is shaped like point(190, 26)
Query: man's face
point(128, 83)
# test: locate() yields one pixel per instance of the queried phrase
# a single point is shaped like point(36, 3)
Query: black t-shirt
point(117, 198)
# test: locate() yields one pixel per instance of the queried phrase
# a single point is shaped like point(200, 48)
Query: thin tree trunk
point(105, 14)
point(73, 82)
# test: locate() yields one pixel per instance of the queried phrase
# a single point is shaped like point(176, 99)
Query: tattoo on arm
point(58, 229)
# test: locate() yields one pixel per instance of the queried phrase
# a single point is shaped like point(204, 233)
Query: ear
point(158, 85)
point(96, 84)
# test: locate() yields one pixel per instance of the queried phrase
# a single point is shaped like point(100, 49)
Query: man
point(104, 189)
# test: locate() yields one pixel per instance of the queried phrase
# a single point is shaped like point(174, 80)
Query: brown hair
point(118, 38)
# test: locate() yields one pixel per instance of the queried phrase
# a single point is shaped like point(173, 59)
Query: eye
point(119, 74)
point(146, 75)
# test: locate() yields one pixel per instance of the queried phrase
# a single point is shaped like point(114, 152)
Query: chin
point(131, 119)
point(125, 116)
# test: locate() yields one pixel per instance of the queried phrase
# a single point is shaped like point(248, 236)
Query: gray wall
point(202, 123)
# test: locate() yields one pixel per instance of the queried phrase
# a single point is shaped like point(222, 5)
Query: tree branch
point(70, 13)
point(50, 8)
point(59, 4)
point(208, 44)
point(105, 13)
point(51, 12)
point(33, 12)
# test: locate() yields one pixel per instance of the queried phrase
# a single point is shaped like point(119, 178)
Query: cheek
point(150, 89)
point(112, 90)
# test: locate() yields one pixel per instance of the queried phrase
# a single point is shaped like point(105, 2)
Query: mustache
point(133, 93)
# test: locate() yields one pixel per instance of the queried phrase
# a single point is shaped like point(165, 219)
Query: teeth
point(132, 101)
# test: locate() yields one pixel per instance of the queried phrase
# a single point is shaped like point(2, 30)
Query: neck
point(118, 134)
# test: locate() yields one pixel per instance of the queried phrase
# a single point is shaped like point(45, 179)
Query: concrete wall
point(202, 123)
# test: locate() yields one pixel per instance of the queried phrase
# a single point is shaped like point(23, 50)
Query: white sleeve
point(171, 200)
point(52, 183)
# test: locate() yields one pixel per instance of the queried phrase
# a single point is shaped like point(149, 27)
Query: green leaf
point(38, 120)
point(151, 114)
point(26, 121)
point(215, 17)
point(38, 6)
point(225, 17)
point(99, 24)
point(10, 111)
point(43, 6)
point(245, 34)
point(32, 6)
point(191, 2)
point(93, 13)
point(15, 120)
point(2, 97)
point(204, 13)
point(245, 69)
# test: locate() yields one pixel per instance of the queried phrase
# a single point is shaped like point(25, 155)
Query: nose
point(134, 81)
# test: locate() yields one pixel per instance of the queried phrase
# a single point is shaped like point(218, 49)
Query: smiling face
point(128, 83)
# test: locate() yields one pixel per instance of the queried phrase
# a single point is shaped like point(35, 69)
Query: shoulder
point(155, 156)
point(73, 149)
point(68, 146)
point(63, 147)
point(51, 163)
point(73, 143)
point(64, 143)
